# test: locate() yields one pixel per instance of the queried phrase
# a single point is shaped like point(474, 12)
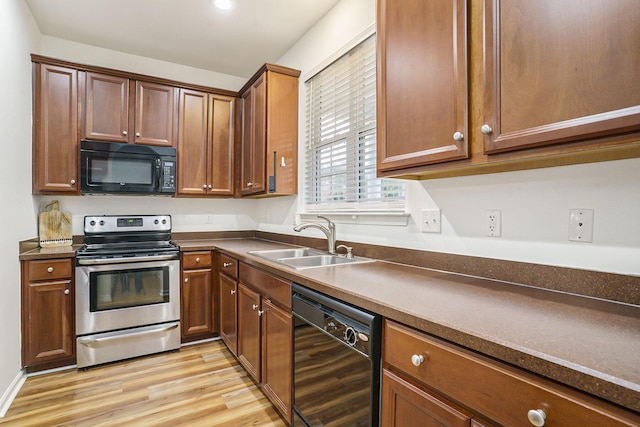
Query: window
point(340, 167)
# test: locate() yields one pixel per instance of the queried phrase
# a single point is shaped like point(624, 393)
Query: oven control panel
point(119, 223)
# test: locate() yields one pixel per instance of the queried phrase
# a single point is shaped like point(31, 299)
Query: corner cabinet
point(197, 312)
point(269, 133)
point(120, 109)
point(205, 144)
point(421, 83)
point(48, 314)
point(482, 86)
point(426, 379)
point(265, 330)
point(55, 130)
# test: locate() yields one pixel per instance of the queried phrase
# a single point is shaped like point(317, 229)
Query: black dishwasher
point(336, 362)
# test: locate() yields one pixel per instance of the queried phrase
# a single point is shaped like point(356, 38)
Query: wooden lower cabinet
point(197, 296)
point(48, 314)
point(405, 405)
point(265, 331)
point(414, 362)
point(228, 312)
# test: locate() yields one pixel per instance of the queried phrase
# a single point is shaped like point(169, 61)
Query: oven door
point(126, 295)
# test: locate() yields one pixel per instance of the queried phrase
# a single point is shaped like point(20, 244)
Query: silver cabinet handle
point(66, 291)
point(486, 129)
point(458, 136)
point(73, 182)
point(198, 260)
point(50, 269)
point(124, 132)
point(204, 186)
point(227, 264)
point(260, 312)
point(249, 184)
point(209, 186)
point(417, 359)
point(186, 280)
point(254, 306)
point(537, 417)
point(233, 291)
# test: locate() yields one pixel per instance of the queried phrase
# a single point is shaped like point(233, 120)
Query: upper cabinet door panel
point(106, 108)
point(421, 82)
point(559, 71)
point(155, 114)
point(55, 149)
point(192, 143)
point(220, 155)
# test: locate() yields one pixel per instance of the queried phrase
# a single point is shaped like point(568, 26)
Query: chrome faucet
point(329, 231)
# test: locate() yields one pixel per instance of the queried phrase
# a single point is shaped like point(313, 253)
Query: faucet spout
point(329, 231)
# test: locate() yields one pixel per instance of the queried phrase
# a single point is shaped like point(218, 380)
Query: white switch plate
point(431, 219)
point(581, 225)
point(493, 223)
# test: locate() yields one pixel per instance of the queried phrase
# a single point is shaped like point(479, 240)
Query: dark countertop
point(590, 344)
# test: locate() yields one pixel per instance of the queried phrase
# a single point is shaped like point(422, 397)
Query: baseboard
point(11, 393)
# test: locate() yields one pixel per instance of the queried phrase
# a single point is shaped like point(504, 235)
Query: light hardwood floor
point(200, 385)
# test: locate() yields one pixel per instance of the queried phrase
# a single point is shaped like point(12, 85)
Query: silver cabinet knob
point(260, 312)
point(50, 269)
point(209, 186)
point(458, 136)
point(417, 359)
point(124, 132)
point(73, 182)
point(198, 260)
point(233, 291)
point(204, 186)
point(186, 280)
point(254, 306)
point(537, 417)
point(486, 129)
point(67, 291)
point(249, 184)
point(138, 134)
point(227, 264)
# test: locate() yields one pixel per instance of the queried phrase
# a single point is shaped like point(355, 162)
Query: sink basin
point(301, 258)
point(275, 254)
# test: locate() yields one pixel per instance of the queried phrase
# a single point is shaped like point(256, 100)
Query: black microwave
point(116, 168)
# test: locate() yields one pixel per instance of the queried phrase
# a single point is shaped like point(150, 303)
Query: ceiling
point(189, 32)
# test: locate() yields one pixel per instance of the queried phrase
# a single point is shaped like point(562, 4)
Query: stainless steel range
point(127, 288)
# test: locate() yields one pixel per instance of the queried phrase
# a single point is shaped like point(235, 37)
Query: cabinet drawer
point(269, 286)
point(499, 392)
point(228, 266)
point(196, 260)
point(50, 269)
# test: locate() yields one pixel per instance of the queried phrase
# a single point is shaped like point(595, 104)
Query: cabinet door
point(559, 71)
point(192, 143)
point(155, 114)
point(228, 312)
point(49, 333)
point(253, 138)
point(55, 149)
point(249, 331)
point(197, 304)
point(106, 108)
point(404, 405)
point(220, 154)
point(421, 83)
point(277, 356)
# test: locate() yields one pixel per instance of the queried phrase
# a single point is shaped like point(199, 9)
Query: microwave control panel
point(168, 175)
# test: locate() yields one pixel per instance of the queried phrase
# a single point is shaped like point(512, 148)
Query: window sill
point(400, 219)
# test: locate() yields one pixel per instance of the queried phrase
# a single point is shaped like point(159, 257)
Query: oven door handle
point(96, 342)
point(120, 260)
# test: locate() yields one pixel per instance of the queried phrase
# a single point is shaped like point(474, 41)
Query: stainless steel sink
point(302, 258)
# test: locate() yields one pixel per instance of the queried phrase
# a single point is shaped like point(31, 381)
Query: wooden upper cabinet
point(55, 133)
point(558, 71)
point(421, 83)
point(119, 109)
point(269, 139)
point(205, 144)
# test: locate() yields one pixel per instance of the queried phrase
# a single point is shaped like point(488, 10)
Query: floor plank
point(200, 385)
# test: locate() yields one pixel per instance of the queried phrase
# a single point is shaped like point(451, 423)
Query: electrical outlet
point(431, 219)
point(581, 225)
point(493, 223)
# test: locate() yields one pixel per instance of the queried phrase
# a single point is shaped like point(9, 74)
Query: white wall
point(535, 204)
point(18, 37)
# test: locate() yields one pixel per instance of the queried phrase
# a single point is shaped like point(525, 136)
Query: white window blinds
point(340, 168)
